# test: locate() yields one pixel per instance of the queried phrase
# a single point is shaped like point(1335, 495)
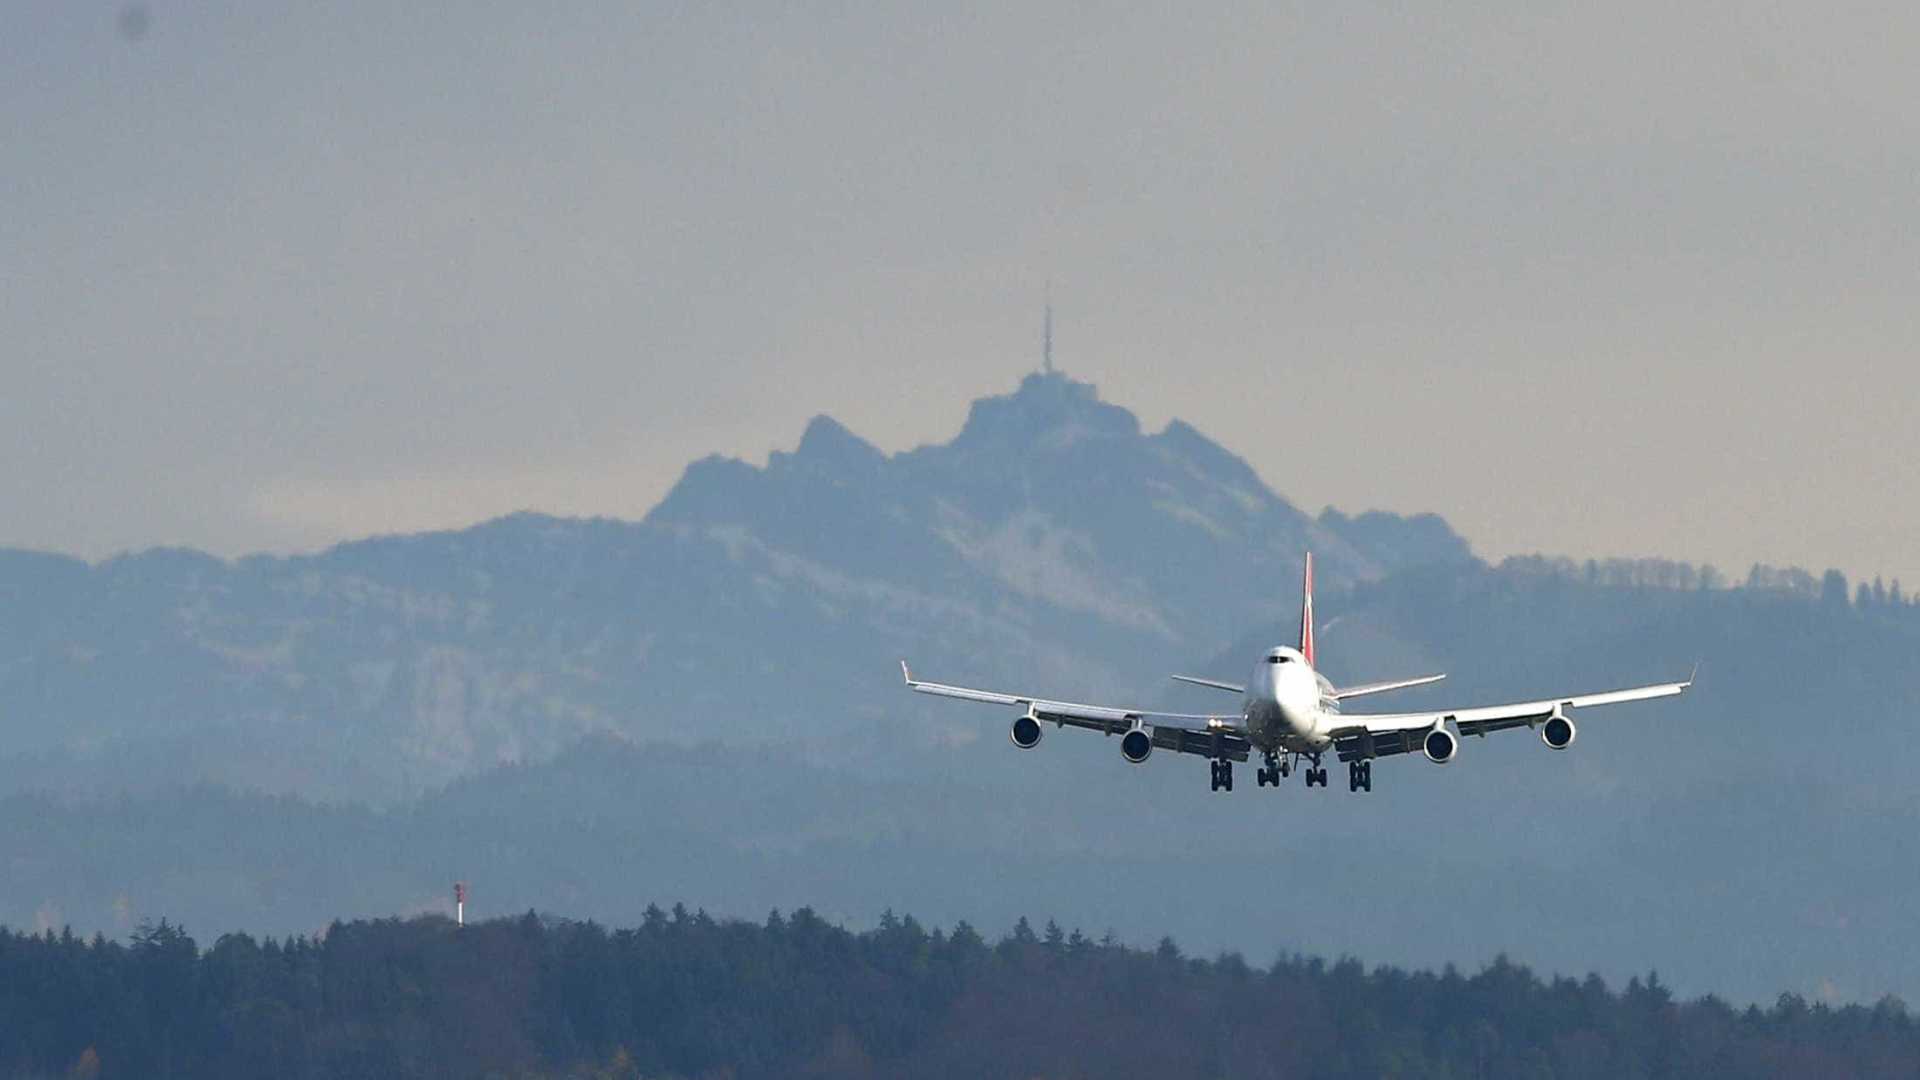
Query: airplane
point(1289, 712)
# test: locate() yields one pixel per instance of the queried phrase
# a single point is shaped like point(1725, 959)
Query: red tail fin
point(1306, 612)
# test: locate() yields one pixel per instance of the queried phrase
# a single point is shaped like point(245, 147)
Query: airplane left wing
point(1212, 735)
point(1382, 734)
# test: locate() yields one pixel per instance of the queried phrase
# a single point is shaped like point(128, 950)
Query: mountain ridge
point(740, 644)
point(1049, 539)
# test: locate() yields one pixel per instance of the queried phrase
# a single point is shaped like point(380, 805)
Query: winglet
point(1692, 674)
point(905, 674)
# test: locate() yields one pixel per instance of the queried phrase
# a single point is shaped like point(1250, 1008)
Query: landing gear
point(1271, 772)
point(1316, 774)
point(1359, 776)
point(1222, 775)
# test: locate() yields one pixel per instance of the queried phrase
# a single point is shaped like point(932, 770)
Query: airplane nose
point(1287, 698)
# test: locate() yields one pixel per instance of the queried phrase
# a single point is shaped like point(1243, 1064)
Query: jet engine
point(1558, 732)
point(1136, 745)
point(1440, 745)
point(1025, 733)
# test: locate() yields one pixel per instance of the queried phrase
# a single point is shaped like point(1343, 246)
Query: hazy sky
point(1591, 279)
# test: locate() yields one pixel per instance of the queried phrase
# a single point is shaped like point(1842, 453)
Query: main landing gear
point(1359, 776)
point(1223, 775)
point(1277, 767)
point(1280, 766)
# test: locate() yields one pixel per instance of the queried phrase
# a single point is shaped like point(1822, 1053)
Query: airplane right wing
point(1210, 735)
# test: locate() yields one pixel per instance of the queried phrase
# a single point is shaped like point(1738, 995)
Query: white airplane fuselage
point(1288, 705)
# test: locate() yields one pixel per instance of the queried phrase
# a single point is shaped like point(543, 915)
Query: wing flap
point(1359, 744)
point(1204, 743)
point(1482, 727)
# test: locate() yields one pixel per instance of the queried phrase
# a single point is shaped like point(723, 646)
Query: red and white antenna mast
point(460, 903)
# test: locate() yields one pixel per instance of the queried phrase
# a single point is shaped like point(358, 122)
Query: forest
point(686, 995)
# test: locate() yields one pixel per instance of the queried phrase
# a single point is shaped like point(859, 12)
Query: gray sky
point(1589, 279)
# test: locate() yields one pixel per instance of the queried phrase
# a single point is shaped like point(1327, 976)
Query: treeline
point(1830, 587)
point(685, 995)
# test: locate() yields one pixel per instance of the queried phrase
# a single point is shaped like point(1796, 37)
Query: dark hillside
point(683, 995)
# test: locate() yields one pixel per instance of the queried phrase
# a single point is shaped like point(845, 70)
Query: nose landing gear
point(1278, 768)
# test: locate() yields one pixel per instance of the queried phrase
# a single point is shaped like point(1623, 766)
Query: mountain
point(586, 716)
point(1760, 809)
point(1051, 542)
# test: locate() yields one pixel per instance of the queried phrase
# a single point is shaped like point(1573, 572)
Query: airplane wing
point(1210, 735)
point(1382, 734)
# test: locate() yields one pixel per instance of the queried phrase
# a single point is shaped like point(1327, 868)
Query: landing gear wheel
point(1360, 776)
point(1316, 776)
point(1222, 775)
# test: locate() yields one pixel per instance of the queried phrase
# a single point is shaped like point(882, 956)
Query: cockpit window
point(1278, 659)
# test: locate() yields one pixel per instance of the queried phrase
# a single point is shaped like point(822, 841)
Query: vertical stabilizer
point(1306, 611)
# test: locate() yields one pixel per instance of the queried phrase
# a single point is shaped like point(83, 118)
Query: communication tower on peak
point(1046, 338)
point(460, 903)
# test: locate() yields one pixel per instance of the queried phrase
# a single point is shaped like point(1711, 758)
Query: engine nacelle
point(1558, 732)
point(1136, 745)
point(1025, 733)
point(1440, 745)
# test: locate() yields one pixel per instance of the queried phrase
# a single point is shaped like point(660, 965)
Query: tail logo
point(1306, 612)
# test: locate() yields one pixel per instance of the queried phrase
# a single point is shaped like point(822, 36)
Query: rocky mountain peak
point(1047, 408)
point(828, 443)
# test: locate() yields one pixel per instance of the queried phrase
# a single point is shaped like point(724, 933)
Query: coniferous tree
point(1833, 589)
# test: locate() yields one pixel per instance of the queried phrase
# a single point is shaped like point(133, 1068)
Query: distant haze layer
point(1621, 280)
